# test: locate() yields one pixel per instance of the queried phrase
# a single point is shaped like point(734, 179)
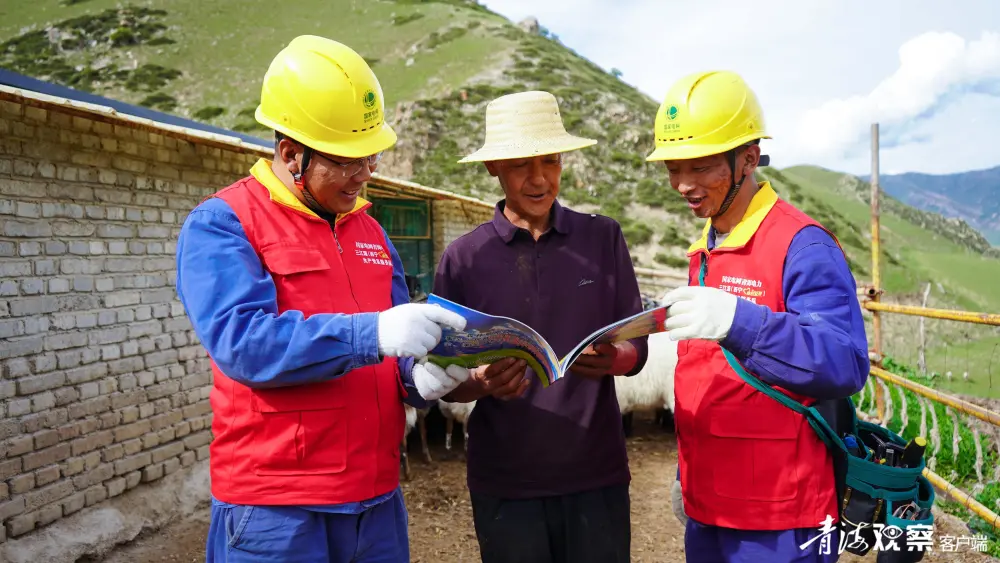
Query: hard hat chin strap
point(298, 178)
point(307, 194)
point(734, 186)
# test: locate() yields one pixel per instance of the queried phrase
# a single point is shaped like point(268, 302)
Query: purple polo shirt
point(575, 279)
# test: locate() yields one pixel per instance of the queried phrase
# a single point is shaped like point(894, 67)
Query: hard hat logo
point(369, 99)
point(668, 126)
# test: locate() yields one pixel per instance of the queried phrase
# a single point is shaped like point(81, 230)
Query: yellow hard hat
point(324, 95)
point(706, 113)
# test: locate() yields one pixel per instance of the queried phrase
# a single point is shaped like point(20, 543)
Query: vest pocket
point(302, 276)
point(300, 431)
point(753, 450)
point(286, 259)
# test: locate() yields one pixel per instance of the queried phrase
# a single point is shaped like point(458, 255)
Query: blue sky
point(928, 71)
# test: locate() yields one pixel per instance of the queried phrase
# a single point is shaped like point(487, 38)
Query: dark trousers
point(588, 527)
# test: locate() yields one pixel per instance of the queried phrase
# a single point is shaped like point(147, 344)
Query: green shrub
point(671, 261)
point(403, 20)
point(630, 159)
point(671, 237)
point(159, 100)
point(150, 77)
point(648, 192)
point(209, 112)
point(435, 39)
point(83, 41)
point(636, 232)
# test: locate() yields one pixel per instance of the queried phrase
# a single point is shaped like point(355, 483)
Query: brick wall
point(454, 218)
point(103, 384)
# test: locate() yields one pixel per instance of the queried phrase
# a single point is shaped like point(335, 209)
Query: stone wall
point(103, 383)
point(454, 218)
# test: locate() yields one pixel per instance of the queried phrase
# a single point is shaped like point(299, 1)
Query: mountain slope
point(440, 62)
point(973, 196)
point(916, 246)
point(211, 56)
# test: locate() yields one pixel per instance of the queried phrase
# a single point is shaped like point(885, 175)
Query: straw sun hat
point(523, 125)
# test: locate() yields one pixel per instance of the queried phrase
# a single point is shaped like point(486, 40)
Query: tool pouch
point(872, 493)
point(899, 535)
point(859, 512)
point(869, 491)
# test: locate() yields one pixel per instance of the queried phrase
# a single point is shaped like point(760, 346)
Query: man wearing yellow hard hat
point(770, 293)
point(300, 300)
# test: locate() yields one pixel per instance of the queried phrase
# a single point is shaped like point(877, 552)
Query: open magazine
point(489, 338)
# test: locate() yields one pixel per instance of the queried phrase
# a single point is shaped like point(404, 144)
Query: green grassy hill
point(940, 251)
point(917, 247)
point(440, 62)
point(213, 54)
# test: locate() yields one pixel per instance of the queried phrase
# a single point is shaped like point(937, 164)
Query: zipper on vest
point(333, 228)
point(339, 248)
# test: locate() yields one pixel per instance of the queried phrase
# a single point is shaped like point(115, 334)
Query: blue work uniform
point(371, 531)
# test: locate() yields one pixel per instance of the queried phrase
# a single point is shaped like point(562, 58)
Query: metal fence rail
point(935, 395)
point(954, 492)
point(946, 314)
point(873, 294)
point(658, 282)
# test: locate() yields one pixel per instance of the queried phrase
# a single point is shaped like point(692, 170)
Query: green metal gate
point(408, 224)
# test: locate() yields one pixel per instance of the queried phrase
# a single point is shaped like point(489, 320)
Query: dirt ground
point(441, 515)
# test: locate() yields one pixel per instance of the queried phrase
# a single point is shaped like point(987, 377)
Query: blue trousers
point(711, 544)
point(289, 534)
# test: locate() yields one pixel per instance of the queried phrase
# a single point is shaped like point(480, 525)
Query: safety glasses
point(355, 166)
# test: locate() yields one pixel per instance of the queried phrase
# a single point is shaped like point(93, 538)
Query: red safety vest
point(747, 462)
point(321, 443)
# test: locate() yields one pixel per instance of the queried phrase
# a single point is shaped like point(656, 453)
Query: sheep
point(414, 417)
point(411, 421)
point(459, 412)
point(651, 388)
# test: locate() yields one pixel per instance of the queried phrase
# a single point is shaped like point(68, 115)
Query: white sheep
point(414, 417)
point(651, 388)
point(456, 412)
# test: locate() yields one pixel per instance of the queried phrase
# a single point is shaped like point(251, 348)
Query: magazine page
point(640, 324)
point(489, 338)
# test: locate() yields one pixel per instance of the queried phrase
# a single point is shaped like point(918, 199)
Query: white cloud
point(823, 69)
point(933, 67)
point(937, 146)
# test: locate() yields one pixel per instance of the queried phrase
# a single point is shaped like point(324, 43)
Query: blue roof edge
point(16, 80)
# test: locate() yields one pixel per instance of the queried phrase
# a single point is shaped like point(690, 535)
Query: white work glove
point(699, 312)
point(412, 329)
point(432, 382)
